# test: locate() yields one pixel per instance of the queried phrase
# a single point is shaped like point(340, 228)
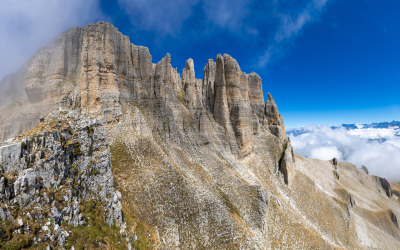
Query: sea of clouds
point(376, 148)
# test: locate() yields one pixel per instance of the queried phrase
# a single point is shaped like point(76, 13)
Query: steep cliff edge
point(199, 163)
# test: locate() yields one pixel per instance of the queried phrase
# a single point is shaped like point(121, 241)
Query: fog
point(377, 149)
point(26, 26)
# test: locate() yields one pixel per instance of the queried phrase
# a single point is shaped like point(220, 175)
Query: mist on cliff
point(26, 26)
point(376, 148)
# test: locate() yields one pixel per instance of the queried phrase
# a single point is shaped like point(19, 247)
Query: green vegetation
point(120, 160)
point(94, 172)
point(77, 150)
point(231, 207)
point(181, 96)
point(18, 241)
point(97, 233)
point(13, 241)
point(284, 146)
point(90, 131)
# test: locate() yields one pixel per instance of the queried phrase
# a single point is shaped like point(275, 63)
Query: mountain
point(382, 125)
point(105, 149)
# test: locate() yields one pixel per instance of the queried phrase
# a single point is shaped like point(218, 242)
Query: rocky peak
point(189, 84)
point(365, 169)
point(102, 68)
point(271, 111)
point(208, 83)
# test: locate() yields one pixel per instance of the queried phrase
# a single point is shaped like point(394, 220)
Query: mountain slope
point(200, 163)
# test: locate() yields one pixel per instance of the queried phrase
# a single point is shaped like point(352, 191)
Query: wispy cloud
point(289, 27)
point(167, 17)
point(164, 17)
point(378, 149)
point(25, 26)
point(227, 13)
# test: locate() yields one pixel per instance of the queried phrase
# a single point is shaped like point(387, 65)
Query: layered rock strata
point(94, 68)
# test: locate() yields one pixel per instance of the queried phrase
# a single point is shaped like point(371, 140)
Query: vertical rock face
point(47, 80)
point(271, 111)
point(221, 108)
point(287, 162)
point(239, 109)
point(274, 119)
point(208, 84)
point(97, 67)
point(189, 84)
point(256, 96)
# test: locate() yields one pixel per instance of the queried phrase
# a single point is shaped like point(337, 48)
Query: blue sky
point(324, 61)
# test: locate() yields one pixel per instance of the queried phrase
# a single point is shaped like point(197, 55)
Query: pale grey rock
point(10, 158)
point(189, 84)
point(256, 96)
point(71, 152)
point(208, 85)
point(287, 162)
point(115, 210)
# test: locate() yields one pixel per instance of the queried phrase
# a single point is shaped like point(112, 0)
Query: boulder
point(393, 217)
point(336, 174)
point(365, 169)
point(385, 185)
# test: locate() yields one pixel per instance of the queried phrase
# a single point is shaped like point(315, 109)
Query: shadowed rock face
point(365, 169)
point(287, 162)
point(199, 163)
point(189, 84)
point(385, 185)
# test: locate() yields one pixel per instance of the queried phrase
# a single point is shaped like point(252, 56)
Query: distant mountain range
point(304, 130)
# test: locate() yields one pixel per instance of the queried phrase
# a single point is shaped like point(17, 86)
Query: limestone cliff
point(199, 163)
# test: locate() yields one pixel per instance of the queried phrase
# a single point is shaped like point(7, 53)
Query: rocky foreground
point(109, 150)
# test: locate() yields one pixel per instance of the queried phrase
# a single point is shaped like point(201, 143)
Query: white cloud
point(378, 149)
point(166, 17)
point(289, 27)
point(228, 13)
point(26, 26)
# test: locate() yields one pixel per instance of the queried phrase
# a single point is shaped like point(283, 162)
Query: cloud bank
point(26, 26)
point(377, 149)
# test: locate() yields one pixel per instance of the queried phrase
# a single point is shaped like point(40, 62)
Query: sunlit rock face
point(94, 68)
point(195, 163)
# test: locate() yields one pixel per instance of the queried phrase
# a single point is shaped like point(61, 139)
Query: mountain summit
point(195, 163)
